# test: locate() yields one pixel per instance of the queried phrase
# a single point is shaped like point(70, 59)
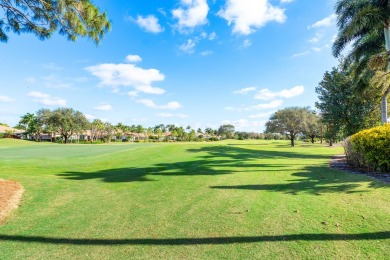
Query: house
point(11, 132)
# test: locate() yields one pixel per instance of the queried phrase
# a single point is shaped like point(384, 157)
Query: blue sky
point(189, 62)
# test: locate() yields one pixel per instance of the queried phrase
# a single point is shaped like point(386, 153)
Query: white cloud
point(206, 53)
point(245, 124)
point(6, 99)
point(244, 90)
point(103, 108)
point(150, 103)
point(212, 36)
point(129, 75)
point(149, 23)
point(188, 46)
point(132, 93)
point(266, 94)
point(286, 1)
point(54, 81)
point(169, 115)
point(318, 49)
point(326, 22)
point(262, 115)
point(133, 58)
point(150, 90)
point(270, 105)
point(249, 15)
point(46, 99)
point(90, 117)
point(52, 66)
point(192, 13)
point(316, 38)
point(246, 43)
point(299, 54)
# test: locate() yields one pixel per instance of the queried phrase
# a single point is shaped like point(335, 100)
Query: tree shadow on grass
point(315, 180)
point(197, 241)
point(219, 160)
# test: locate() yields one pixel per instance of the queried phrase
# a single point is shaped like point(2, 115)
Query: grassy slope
point(190, 200)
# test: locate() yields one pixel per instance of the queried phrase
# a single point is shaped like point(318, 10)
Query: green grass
point(222, 200)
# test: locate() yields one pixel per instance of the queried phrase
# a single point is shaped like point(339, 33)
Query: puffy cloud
point(326, 22)
point(103, 108)
point(244, 90)
point(133, 58)
point(150, 103)
point(130, 75)
point(266, 94)
point(249, 15)
point(46, 99)
point(192, 13)
point(149, 23)
point(6, 99)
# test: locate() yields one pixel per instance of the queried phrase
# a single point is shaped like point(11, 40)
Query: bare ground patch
point(10, 195)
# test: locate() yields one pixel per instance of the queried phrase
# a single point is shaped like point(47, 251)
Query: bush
point(212, 139)
point(370, 149)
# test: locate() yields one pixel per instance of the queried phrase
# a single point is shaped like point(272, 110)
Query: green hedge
point(370, 149)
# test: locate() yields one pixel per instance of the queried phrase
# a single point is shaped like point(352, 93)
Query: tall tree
point(365, 24)
point(290, 121)
point(71, 18)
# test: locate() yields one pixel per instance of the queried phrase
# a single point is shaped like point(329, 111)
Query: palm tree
point(362, 23)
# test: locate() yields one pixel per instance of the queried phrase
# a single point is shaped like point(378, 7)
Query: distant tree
point(67, 122)
point(109, 131)
point(43, 17)
point(4, 124)
point(312, 128)
point(226, 131)
point(290, 121)
point(33, 124)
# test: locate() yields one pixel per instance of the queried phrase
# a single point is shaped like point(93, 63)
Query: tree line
point(65, 123)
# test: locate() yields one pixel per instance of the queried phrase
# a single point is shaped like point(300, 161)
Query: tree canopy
point(343, 110)
point(363, 24)
point(290, 121)
point(71, 18)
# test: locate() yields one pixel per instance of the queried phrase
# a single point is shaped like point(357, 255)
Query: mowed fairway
point(222, 200)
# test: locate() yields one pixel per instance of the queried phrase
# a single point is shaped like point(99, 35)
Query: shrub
point(370, 149)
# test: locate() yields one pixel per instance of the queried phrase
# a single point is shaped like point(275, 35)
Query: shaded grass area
point(196, 200)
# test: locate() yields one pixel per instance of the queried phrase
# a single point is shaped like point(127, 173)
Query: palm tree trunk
point(386, 93)
point(384, 106)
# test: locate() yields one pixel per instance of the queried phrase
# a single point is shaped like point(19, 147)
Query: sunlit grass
point(231, 199)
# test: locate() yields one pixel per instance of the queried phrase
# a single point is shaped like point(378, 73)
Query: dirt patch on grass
point(10, 195)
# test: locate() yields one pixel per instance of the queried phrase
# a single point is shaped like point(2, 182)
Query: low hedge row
point(370, 149)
